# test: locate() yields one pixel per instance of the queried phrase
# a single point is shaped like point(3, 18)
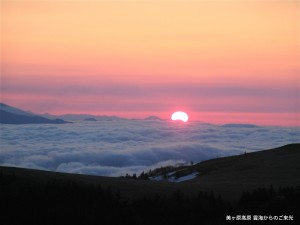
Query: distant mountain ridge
point(12, 115)
point(153, 118)
point(83, 117)
point(236, 125)
point(90, 117)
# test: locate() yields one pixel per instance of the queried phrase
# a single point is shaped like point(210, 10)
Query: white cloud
point(114, 148)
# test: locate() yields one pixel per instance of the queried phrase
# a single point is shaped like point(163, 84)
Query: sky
point(220, 61)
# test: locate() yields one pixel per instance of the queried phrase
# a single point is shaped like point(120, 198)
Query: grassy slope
point(227, 176)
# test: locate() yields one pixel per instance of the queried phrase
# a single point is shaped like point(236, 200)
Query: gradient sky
point(220, 61)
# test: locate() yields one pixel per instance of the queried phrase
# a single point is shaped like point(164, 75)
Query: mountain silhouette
point(12, 115)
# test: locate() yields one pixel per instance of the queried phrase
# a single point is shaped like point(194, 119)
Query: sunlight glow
point(180, 116)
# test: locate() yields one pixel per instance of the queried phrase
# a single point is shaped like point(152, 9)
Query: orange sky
point(135, 58)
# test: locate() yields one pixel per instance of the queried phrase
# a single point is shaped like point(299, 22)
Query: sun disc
point(180, 116)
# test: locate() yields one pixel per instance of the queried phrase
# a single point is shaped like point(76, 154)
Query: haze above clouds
point(114, 148)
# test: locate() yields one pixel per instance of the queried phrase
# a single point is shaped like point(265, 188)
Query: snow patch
point(187, 177)
point(171, 178)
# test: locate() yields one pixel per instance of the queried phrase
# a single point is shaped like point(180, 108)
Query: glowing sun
point(180, 116)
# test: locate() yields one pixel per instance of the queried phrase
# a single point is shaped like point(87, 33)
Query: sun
point(180, 116)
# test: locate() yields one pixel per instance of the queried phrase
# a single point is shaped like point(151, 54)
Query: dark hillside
point(229, 176)
point(225, 187)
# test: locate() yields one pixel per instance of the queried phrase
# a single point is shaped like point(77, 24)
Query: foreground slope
point(278, 166)
point(40, 197)
point(230, 176)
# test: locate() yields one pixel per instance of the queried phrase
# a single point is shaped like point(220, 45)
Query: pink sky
point(220, 61)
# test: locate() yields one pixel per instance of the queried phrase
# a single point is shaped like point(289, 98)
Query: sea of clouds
point(114, 148)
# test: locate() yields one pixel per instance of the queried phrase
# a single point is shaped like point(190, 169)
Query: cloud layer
point(114, 148)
